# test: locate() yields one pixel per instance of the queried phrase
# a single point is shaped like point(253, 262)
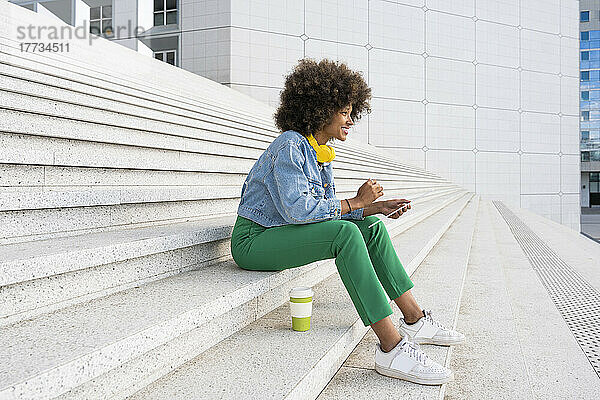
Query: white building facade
point(483, 92)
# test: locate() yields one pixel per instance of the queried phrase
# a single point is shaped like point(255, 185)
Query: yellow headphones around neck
point(324, 153)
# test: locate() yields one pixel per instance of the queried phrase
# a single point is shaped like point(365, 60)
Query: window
point(585, 55)
point(585, 115)
point(585, 156)
point(585, 135)
point(585, 95)
point(594, 176)
point(585, 75)
point(584, 16)
point(584, 36)
point(165, 12)
point(101, 20)
point(167, 56)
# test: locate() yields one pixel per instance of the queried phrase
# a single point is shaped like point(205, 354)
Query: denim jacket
point(287, 185)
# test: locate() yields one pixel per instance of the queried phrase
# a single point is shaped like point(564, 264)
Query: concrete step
point(42, 276)
point(43, 76)
point(58, 351)
point(47, 223)
point(44, 224)
point(19, 177)
point(269, 360)
point(137, 71)
point(518, 344)
point(60, 197)
point(438, 286)
point(25, 82)
point(101, 196)
point(95, 338)
point(101, 55)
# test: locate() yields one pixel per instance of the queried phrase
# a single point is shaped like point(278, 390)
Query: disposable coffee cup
point(301, 307)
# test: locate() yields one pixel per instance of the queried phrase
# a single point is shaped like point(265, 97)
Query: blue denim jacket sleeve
point(291, 192)
point(330, 192)
point(354, 214)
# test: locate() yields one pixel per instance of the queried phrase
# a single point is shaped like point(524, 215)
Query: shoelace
point(429, 318)
point(414, 351)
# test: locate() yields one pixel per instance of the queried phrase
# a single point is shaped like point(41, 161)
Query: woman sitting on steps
point(289, 216)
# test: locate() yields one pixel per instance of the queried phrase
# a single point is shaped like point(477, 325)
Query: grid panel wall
point(462, 88)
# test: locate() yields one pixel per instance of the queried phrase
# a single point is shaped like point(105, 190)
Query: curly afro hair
point(314, 92)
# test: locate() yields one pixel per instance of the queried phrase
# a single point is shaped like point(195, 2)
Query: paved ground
point(518, 343)
point(590, 222)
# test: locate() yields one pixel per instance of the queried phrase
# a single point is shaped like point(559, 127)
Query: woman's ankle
point(413, 318)
point(390, 347)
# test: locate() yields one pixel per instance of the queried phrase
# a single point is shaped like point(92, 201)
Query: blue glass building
point(590, 95)
point(589, 56)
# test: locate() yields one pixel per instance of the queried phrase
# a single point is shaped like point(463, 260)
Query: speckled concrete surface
point(44, 276)
point(267, 359)
point(137, 373)
point(50, 126)
point(432, 203)
point(42, 224)
point(556, 366)
point(360, 383)
point(521, 348)
point(93, 338)
point(26, 261)
point(331, 341)
point(12, 201)
point(490, 364)
point(112, 339)
point(423, 233)
point(438, 286)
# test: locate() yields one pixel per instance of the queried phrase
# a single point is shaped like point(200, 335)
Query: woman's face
point(340, 124)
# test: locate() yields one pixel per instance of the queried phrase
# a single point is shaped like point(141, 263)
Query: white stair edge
point(459, 298)
point(94, 197)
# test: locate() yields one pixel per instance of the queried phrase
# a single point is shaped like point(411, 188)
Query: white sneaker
point(429, 331)
point(407, 361)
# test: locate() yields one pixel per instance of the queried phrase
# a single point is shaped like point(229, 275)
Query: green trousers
point(365, 257)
